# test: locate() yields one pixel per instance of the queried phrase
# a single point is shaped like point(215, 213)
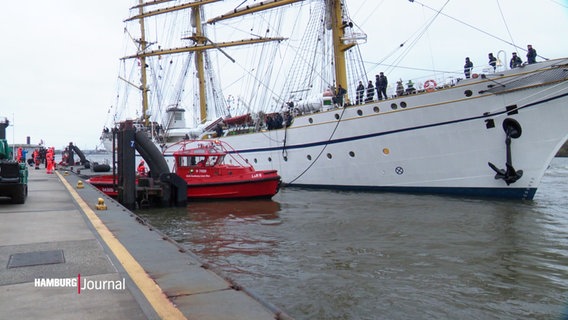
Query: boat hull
point(436, 142)
point(250, 188)
point(105, 183)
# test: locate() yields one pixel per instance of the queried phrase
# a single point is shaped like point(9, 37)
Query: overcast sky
point(60, 58)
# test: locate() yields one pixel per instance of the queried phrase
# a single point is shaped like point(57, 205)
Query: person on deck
point(219, 130)
point(492, 61)
point(370, 92)
point(515, 61)
point(360, 93)
point(399, 88)
point(531, 54)
point(382, 83)
point(467, 67)
point(410, 87)
point(341, 92)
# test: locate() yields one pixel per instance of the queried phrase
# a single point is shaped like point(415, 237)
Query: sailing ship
point(492, 134)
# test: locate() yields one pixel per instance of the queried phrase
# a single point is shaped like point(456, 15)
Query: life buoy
point(430, 85)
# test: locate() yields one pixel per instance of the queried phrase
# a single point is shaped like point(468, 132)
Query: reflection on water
point(210, 226)
point(348, 255)
point(205, 210)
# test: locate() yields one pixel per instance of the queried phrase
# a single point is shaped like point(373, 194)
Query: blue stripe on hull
point(502, 193)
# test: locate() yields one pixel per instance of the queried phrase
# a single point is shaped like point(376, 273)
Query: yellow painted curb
point(153, 293)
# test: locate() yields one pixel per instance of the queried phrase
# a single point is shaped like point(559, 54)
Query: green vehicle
point(13, 175)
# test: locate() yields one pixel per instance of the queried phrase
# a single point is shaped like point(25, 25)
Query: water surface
point(351, 255)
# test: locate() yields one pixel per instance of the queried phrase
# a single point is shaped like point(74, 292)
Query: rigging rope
point(478, 29)
point(322, 150)
point(422, 32)
point(505, 23)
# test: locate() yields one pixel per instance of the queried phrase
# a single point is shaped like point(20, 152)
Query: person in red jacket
point(141, 168)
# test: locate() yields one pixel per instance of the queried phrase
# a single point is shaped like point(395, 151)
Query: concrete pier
point(61, 258)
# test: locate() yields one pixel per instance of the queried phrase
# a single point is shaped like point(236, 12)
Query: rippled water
point(347, 255)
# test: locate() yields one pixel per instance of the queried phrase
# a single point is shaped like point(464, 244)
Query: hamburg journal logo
point(81, 284)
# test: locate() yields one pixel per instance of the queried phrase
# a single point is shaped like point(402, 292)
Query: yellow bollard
point(101, 205)
point(66, 173)
point(80, 184)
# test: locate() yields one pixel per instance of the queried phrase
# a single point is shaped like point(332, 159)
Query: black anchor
point(509, 175)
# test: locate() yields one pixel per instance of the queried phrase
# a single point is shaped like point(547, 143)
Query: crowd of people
point(40, 156)
point(365, 94)
point(515, 61)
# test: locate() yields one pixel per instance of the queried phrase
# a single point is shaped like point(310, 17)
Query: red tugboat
point(213, 170)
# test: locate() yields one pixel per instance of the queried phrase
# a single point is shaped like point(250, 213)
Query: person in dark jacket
point(370, 92)
point(531, 54)
point(382, 83)
point(467, 67)
point(515, 61)
point(360, 93)
point(492, 61)
point(341, 92)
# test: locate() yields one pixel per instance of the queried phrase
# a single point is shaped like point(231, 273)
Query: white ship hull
point(107, 143)
point(491, 135)
point(438, 142)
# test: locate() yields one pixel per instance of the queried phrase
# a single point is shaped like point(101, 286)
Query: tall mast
point(338, 26)
point(143, 79)
point(200, 40)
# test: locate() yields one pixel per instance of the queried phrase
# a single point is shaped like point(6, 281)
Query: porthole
point(360, 112)
point(403, 104)
point(351, 154)
point(468, 93)
point(329, 156)
point(269, 159)
point(310, 120)
point(376, 109)
point(386, 151)
point(255, 161)
point(394, 106)
point(309, 157)
point(337, 116)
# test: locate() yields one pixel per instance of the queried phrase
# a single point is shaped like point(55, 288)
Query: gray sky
point(60, 58)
